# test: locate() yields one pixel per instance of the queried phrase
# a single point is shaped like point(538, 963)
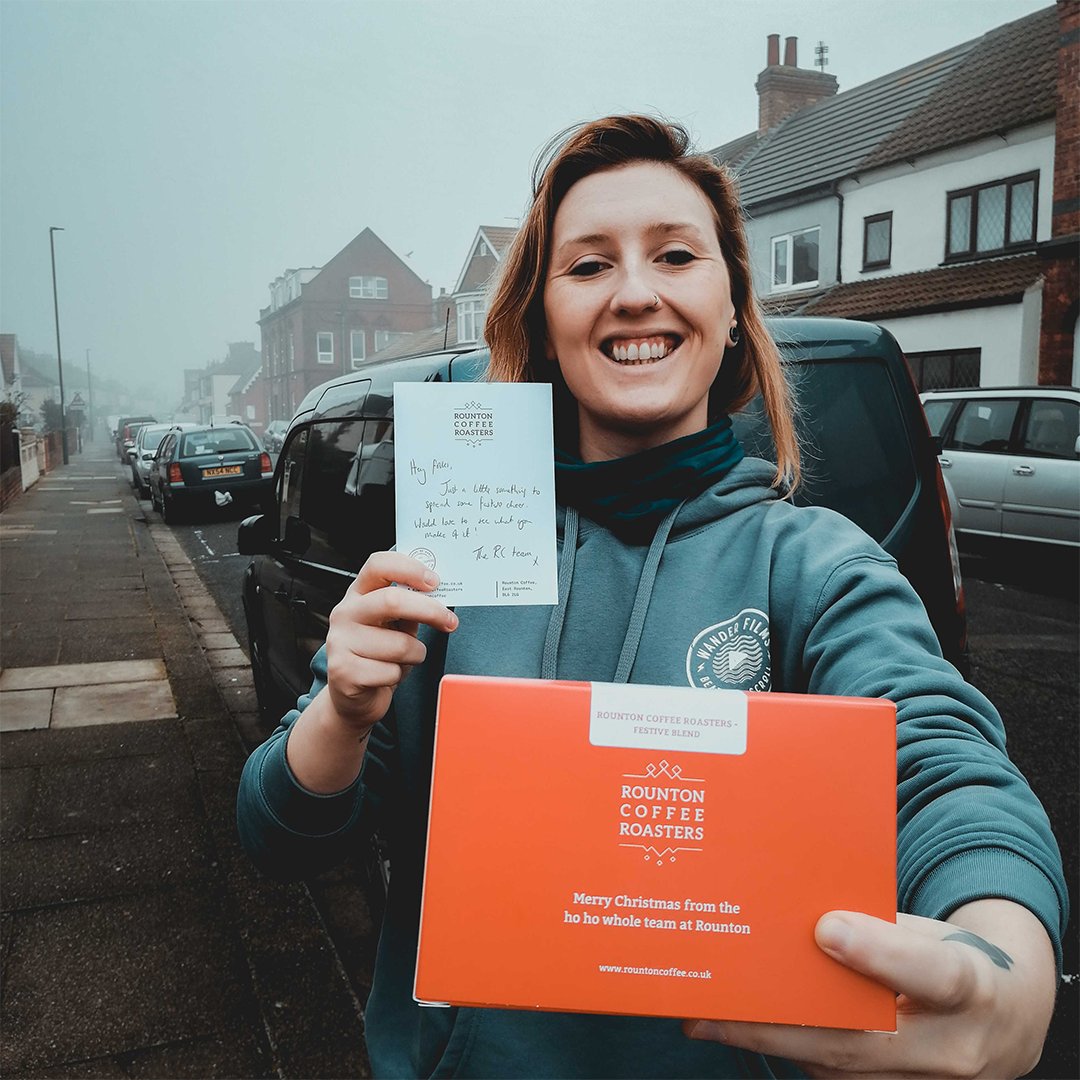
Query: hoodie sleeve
point(968, 825)
point(290, 832)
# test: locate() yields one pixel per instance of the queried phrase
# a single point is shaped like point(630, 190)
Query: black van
point(867, 453)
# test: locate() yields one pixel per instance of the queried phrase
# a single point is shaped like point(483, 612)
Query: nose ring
point(655, 302)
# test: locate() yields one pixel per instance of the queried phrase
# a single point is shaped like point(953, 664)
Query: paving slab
point(85, 796)
point(148, 738)
point(25, 710)
point(218, 641)
point(17, 794)
point(82, 706)
point(34, 678)
point(129, 643)
point(120, 975)
point(113, 862)
point(227, 658)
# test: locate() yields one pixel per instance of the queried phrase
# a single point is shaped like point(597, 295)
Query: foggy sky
point(192, 151)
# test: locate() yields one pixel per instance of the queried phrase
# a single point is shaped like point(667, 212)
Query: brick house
point(939, 201)
point(324, 321)
point(459, 315)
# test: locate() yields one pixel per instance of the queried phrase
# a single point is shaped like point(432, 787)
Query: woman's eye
point(587, 269)
point(677, 257)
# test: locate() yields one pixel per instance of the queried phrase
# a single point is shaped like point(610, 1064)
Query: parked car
point(1012, 456)
point(868, 454)
point(274, 435)
point(204, 467)
point(147, 440)
point(125, 433)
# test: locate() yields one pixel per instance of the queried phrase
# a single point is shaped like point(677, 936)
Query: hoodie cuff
point(299, 810)
point(991, 873)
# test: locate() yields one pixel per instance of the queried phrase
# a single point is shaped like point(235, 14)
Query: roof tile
point(974, 284)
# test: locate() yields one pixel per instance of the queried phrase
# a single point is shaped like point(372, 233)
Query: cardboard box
point(661, 851)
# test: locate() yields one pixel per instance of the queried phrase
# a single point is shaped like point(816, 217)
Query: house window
point(470, 320)
point(290, 340)
point(795, 260)
point(324, 345)
point(945, 370)
point(368, 288)
point(992, 217)
point(357, 347)
point(877, 241)
point(383, 338)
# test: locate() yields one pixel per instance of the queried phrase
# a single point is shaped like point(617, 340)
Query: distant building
point(325, 321)
point(217, 381)
point(11, 368)
point(940, 201)
point(459, 315)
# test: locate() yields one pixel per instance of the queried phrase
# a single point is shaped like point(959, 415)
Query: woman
point(628, 288)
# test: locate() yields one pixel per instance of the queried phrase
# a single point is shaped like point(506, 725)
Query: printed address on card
point(475, 482)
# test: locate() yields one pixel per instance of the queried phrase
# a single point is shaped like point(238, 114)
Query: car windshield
point(877, 476)
point(221, 441)
point(150, 436)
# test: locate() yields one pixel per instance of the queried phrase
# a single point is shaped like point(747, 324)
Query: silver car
point(141, 455)
point(1012, 457)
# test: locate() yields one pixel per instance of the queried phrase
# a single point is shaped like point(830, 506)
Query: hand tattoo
point(1001, 958)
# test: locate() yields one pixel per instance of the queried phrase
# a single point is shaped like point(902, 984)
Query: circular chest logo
point(732, 655)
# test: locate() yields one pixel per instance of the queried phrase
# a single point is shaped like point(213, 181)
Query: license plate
point(223, 470)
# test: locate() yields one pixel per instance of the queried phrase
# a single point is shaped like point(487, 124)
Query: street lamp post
point(59, 360)
point(90, 395)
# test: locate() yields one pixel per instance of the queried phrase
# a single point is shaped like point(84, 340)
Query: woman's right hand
point(372, 644)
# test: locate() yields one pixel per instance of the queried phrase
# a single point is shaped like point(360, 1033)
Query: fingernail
point(833, 935)
point(451, 621)
point(431, 578)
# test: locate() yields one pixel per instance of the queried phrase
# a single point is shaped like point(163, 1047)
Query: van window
point(858, 426)
point(327, 508)
point(290, 481)
point(1052, 429)
point(984, 424)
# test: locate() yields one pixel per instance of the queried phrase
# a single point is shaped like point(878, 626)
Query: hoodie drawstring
point(636, 625)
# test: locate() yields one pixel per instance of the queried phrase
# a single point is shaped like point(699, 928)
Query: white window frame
point(354, 337)
point(787, 241)
point(383, 338)
point(470, 319)
point(368, 287)
point(321, 354)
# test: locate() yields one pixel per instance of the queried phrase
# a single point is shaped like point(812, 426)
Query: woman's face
point(640, 370)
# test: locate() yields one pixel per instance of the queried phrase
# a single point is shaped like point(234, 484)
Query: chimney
point(785, 88)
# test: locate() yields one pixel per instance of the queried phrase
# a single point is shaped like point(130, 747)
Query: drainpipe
point(839, 233)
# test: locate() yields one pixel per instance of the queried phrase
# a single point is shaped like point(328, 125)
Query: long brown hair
point(515, 328)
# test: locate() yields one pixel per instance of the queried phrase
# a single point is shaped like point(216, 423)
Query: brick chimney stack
point(786, 88)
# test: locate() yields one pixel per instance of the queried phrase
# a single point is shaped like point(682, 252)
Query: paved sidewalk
point(136, 938)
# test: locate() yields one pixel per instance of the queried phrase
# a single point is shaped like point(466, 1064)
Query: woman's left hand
point(975, 997)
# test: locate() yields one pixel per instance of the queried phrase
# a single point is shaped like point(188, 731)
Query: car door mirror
point(255, 535)
point(1076, 446)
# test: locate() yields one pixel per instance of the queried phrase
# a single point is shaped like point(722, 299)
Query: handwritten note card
point(475, 479)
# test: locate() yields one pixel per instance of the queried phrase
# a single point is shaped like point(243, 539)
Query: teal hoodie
point(739, 590)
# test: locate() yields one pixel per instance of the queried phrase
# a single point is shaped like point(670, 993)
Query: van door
point(976, 458)
point(1042, 484)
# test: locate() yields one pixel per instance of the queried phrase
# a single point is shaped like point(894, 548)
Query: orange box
point(656, 851)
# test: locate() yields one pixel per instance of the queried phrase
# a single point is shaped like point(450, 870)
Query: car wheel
point(170, 512)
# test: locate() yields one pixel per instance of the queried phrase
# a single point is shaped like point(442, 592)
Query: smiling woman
point(628, 289)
